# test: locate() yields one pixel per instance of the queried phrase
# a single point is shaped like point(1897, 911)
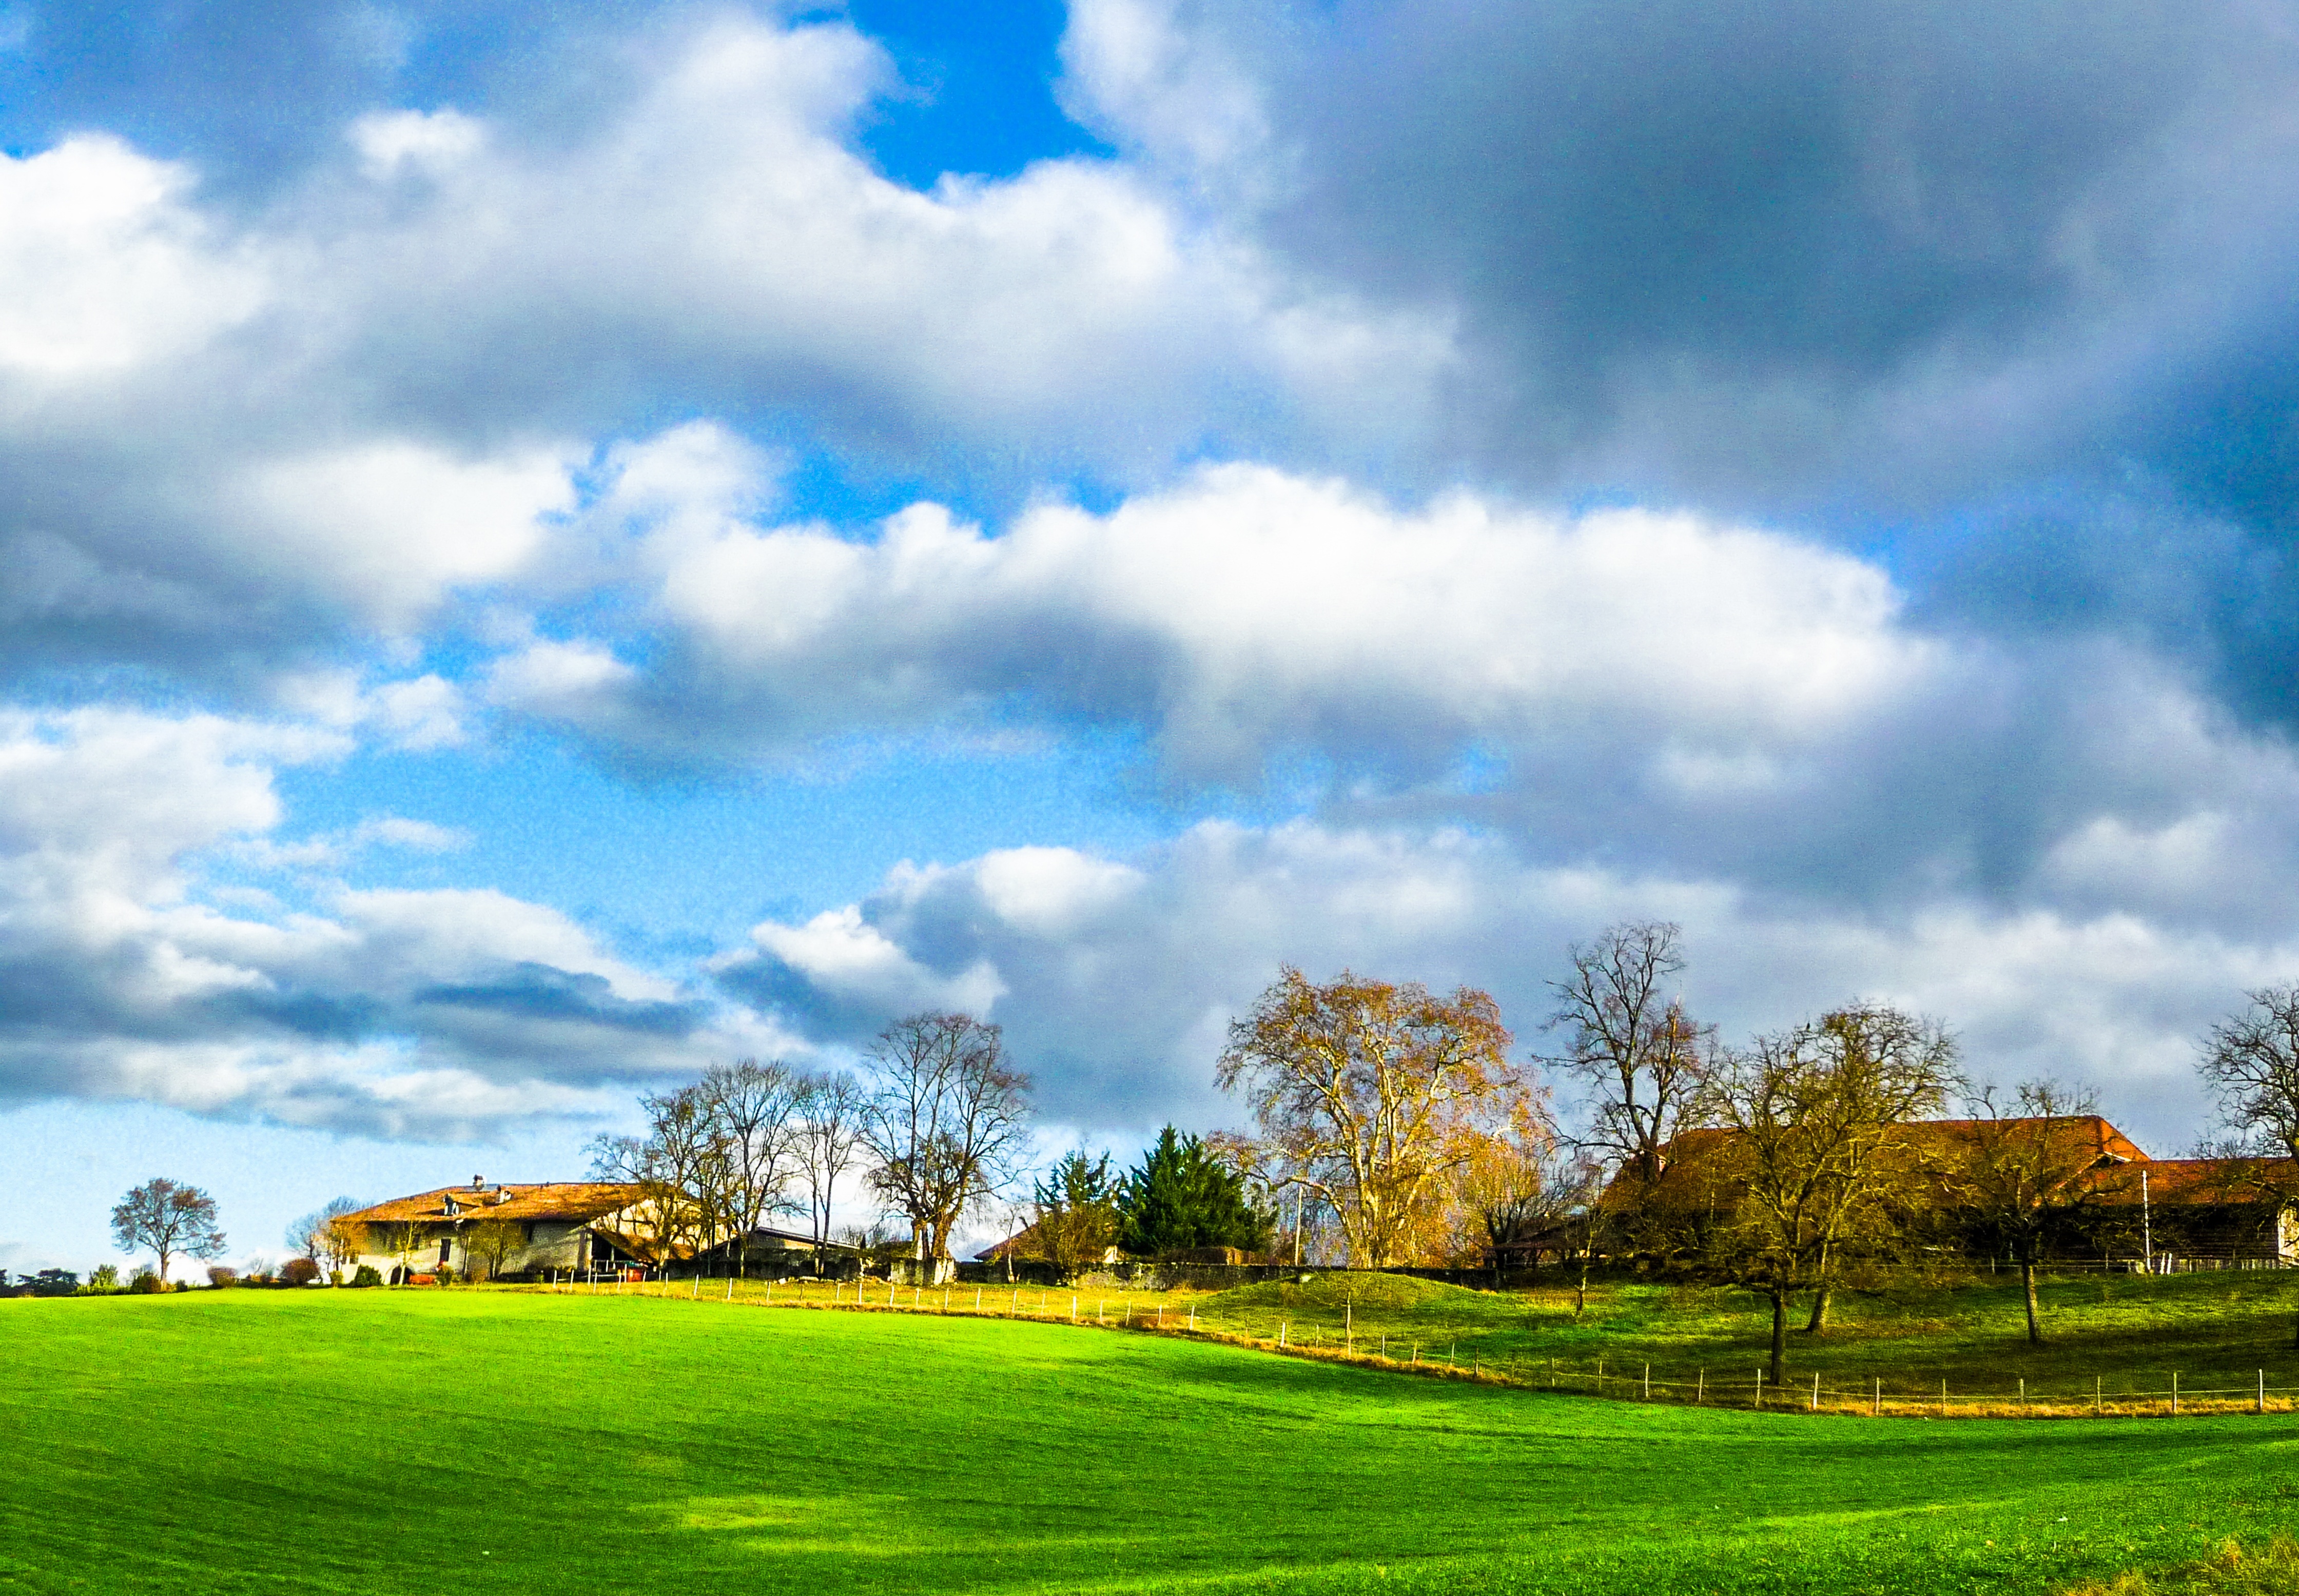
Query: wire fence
point(1745, 1387)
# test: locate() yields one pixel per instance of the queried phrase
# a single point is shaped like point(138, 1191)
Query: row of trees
point(1401, 1128)
point(1789, 1165)
point(940, 1124)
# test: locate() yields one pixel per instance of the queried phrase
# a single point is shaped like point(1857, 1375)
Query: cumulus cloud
point(1121, 999)
point(299, 424)
point(1748, 243)
point(437, 1012)
point(1244, 614)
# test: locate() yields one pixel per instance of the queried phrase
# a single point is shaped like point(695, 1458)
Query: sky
point(545, 547)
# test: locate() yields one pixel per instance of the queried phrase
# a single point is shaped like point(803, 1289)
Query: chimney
point(478, 1182)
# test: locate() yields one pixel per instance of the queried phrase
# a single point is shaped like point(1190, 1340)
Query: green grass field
point(2132, 1333)
point(422, 1441)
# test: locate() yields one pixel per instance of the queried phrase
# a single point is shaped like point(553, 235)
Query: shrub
point(145, 1283)
point(366, 1275)
point(221, 1275)
point(444, 1275)
point(298, 1271)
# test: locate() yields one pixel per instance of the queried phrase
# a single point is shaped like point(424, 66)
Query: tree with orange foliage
point(1372, 1092)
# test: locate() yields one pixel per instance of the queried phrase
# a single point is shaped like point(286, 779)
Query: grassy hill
point(2132, 1333)
point(382, 1441)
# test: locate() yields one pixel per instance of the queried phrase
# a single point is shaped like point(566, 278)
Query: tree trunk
point(1580, 1297)
point(2027, 1289)
point(1818, 1323)
point(1780, 1372)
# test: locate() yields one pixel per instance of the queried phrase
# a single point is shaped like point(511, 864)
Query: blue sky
point(549, 547)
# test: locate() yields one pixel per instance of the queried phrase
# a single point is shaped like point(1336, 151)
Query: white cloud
point(106, 266)
point(401, 525)
point(438, 1013)
point(1120, 1013)
point(852, 961)
point(391, 141)
point(1248, 612)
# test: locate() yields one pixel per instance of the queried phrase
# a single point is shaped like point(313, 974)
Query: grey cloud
point(1784, 229)
point(1850, 266)
point(445, 1013)
point(1118, 997)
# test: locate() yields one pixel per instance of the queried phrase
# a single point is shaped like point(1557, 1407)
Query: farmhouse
point(566, 1227)
point(2118, 1205)
point(555, 1227)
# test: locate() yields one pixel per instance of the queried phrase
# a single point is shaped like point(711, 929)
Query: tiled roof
point(2177, 1181)
point(571, 1201)
point(2114, 1181)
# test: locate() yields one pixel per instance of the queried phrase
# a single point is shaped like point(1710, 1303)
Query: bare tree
point(680, 1166)
point(2251, 1063)
point(1818, 1156)
point(754, 1109)
point(1373, 1094)
point(173, 1220)
point(2027, 1168)
point(486, 1245)
point(324, 1236)
point(1631, 1042)
point(947, 1123)
point(395, 1238)
point(1514, 1188)
point(830, 1130)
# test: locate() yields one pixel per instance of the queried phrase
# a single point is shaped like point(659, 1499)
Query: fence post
point(1760, 1388)
point(2095, 1408)
point(2262, 1408)
point(730, 1289)
point(1815, 1393)
point(1876, 1404)
point(1943, 1399)
point(1648, 1382)
point(1281, 1333)
point(1700, 1389)
point(2023, 1393)
point(2175, 1394)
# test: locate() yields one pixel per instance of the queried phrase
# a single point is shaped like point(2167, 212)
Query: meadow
point(2133, 1334)
point(421, 1440)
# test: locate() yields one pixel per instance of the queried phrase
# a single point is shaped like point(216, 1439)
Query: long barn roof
point(572, 1200)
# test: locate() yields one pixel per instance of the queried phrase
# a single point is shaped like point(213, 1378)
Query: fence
point(1745, 1388)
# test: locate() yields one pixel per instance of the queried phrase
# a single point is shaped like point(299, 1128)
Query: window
point(447, 1246)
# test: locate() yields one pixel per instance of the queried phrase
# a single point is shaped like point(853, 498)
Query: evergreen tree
point(1077, 1213)
point(1180, 1196)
